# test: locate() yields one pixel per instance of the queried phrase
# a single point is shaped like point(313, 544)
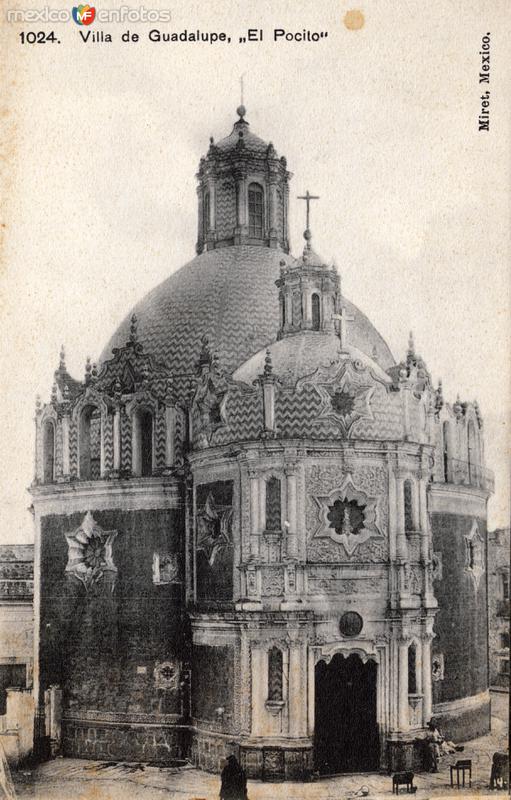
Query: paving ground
point(73, 779)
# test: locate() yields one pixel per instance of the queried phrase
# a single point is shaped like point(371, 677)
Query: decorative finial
point(268, 366)
point(439, 397)
point(133, 329)
point(62, 358)
point(411, 344)
point(94, 372)
point(458, 408)
point(241, 110)
point(117, 389)
point(307, 235)
point(65, 393)
point(54, 393)
point(88, 368)
point(478, 414)
point(38, 404)
point(169, 390)
point(205, 357)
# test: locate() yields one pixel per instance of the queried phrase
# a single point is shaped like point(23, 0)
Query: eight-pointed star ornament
point(345, 395)
point(90, 551)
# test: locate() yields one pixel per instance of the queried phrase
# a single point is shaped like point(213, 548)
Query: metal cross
point(308, 197)
point(343, 318)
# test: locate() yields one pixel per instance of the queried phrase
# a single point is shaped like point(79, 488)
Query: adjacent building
point(16, 650)
point(498, 606)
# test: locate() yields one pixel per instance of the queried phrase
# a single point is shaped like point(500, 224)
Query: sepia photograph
point(254, 343)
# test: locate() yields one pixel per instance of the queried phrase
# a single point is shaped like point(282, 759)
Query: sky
point(102, 142)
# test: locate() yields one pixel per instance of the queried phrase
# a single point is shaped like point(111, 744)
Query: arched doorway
point(345, 730)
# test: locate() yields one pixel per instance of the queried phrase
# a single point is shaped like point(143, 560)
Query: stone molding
point(134, 494)
point(462, 704)
point(465, 501)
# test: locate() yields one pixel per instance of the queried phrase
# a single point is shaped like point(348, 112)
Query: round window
point(351, 623)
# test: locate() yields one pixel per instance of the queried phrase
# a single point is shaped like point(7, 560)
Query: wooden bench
point(463, 766)
point(403, 778)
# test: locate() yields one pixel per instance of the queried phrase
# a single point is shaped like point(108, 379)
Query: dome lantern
point(310, 290)
point(242, 192)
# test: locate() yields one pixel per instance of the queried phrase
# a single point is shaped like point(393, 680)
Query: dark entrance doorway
point(346, 732)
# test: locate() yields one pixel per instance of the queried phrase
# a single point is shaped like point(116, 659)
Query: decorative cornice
point(133, 494)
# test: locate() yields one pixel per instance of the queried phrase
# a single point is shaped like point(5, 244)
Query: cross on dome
point(342, 318)
point(307, 197)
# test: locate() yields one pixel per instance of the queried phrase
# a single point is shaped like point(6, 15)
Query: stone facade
point(250, 515)
point(498, 606)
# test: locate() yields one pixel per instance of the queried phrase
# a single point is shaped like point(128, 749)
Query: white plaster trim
point(462, 704)
point(132, 495)
point(365, 649)
point(458, 500)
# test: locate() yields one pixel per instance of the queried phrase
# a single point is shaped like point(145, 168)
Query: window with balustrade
point(275, 675)
point(48, 452)
point(255, 211)
point(89, 438)
point(273, 504)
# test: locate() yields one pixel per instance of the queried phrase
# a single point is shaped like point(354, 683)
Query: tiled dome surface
point(230, 295)
point(250, 140)
point(299, 355)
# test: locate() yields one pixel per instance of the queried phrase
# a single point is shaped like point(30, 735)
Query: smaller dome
point(241, 135)
point(297, 356)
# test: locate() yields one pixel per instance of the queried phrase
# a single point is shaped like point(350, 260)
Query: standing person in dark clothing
point(234, 781)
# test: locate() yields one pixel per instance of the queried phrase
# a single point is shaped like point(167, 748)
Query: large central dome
point(230, 295)
point(228, 291)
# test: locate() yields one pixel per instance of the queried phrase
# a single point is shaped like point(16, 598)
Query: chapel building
point(256, 531)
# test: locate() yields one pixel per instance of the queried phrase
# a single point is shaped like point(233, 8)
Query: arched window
point(408, 500)
point(273, 505)
point(206, 213)
point(297, 309)
point(412, 667)
point(90, 443)
point(472, 454)
point(48, 452)
point(142, 443)
point(255, 211)
point(316, 314)
point(446, 449)
point(275, 674)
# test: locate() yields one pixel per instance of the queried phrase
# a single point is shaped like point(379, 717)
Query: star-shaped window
point(342, 403)
point(346, 516)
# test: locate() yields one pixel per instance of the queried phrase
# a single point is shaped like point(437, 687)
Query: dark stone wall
point(469, 724)
point(213, 685)
point(101, 645)
point(461, 622)
point(163, 744)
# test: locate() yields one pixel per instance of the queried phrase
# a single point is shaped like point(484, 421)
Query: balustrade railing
point(468, 474)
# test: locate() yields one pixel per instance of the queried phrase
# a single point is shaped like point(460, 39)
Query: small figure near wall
point(438, 746)
point(234, 781)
